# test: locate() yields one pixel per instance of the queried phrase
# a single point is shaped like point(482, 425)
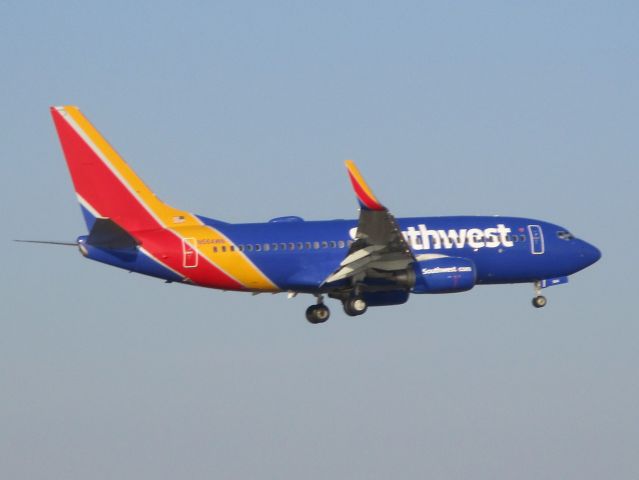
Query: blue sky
point(244, 111)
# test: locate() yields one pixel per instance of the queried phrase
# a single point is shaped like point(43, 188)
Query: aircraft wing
point(379, 247)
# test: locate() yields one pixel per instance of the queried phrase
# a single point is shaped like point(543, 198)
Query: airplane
point(376, 260)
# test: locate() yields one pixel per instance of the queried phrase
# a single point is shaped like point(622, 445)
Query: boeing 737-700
point(373, 261)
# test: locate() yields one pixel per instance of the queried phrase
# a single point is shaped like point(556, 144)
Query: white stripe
point(87, 206)
point(72, 123)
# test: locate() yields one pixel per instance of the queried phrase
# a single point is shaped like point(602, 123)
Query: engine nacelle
point(379, 299)
point(444, 275)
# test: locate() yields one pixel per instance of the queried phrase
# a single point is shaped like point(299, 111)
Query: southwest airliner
point(373, 261)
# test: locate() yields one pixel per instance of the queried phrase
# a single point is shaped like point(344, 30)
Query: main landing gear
point(318, 313)
point(354, 306)
point(539, 300)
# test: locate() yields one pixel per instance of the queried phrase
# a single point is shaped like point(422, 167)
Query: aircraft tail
point(105, 185)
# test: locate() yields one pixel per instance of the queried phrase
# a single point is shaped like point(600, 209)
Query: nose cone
point(588, 254)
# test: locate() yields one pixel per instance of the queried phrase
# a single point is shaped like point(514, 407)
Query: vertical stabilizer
point(105, 185)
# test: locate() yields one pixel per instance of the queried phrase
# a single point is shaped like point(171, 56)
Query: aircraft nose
point(589, 253)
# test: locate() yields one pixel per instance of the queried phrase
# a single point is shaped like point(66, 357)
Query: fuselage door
point(189, 254)
point(536, 239)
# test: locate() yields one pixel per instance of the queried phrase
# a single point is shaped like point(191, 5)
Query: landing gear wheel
point(317, 313)
point(539, 301)
point(355, 306)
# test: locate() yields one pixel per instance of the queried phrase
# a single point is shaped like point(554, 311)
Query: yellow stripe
point(183, 223)
point(352, 168)
point(235, 263)
point(167, 215)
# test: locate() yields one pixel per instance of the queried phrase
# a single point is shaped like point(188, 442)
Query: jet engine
point(444, 275)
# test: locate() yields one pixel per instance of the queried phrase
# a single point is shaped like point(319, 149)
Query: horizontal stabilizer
point(108, 234)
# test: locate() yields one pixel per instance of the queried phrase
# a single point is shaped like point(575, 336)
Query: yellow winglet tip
point(351, 166)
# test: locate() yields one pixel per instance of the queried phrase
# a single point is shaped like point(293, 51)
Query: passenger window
point(224, 248)
point(274, 247)
point(340, 243)
point(214, 249)
point(291, 246)
point(282, 246)
point(258, 247)
point(249, 247)
point(316, 245)
point(300, 245)
point(308, 245)
point(324, 244)
point(333, 244)
point(267, 247)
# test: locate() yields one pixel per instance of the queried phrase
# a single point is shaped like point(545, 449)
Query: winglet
point(364, 194)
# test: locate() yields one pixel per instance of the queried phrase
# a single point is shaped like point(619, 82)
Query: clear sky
point(244, 111)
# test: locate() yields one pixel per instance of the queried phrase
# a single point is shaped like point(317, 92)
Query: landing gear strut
point(539, 300)
point(318, 313)
point(354, 306)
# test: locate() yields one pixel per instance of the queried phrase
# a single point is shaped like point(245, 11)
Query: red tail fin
point(105, 185)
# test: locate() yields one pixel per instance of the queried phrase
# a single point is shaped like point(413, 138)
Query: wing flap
point(360, 254)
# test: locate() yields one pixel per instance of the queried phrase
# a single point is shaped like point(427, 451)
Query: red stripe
point(366, 200)
point(167, 248)
point(99, 186)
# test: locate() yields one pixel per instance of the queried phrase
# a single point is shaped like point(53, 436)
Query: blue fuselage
point(299, 255)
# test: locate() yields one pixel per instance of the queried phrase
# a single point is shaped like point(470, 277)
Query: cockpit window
point(564, 235)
